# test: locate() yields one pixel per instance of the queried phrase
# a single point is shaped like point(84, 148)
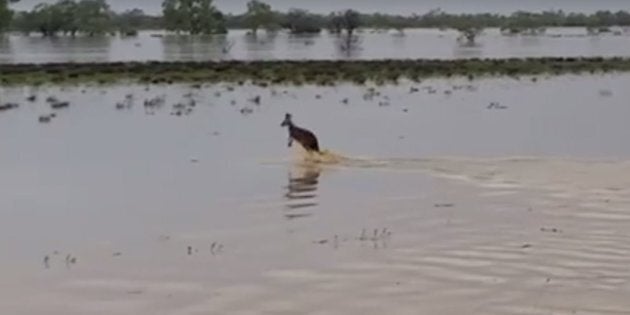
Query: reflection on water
point(5, 46)
point(348, 46)
point(201, 47)
point(416, 43)
point(260, 46)
point(468, 50)
point(302, 190)
point(58, 49)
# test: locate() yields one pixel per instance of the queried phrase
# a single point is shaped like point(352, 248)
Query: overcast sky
point(386, 6)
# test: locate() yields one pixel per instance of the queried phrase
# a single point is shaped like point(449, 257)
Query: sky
point(405, 7)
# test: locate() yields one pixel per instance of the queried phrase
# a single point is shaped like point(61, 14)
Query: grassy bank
point(297, 72)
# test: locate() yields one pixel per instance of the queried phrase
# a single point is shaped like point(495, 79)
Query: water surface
point(416, 43)
point(434, 209)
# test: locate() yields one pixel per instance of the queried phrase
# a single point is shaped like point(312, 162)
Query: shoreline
point(319, 72)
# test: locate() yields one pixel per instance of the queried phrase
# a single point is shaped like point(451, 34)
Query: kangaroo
point(306, 138)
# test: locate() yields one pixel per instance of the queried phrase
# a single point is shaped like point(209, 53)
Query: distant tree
point(469, 34)
point(399, 24)
point(192, 16)
point(335, 23)
point(259, 15)
point(130, 21)
point(90, 17)
point(521, 22)
point(69, 16)
point(6, 14)
point(351, 21)
point(46, 19)
point(622, 18)
point(469, 31)
point(23, 22)
point(380, 21)
point(347, 21)
point(94, 17)
point(300, 21)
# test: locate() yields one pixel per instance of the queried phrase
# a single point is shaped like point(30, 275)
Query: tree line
point(94, 17)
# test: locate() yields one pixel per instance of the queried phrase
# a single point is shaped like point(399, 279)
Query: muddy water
point(421, 203)
point(416, 43)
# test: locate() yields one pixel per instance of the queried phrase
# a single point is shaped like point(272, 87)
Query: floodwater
point(416, 43)
point(493, 196)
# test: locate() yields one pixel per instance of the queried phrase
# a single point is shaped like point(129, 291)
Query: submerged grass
point(324, 72)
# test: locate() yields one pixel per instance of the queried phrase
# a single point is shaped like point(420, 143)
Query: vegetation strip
point(324, 72)
point(95, 17)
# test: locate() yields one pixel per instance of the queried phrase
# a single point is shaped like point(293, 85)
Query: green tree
point(46, 19)
point(130, 21)
point(23, 22)
point(259, 15)
point(351, 21)
point(68, 11)
point(335, 23)
point(193, 16)
point(6, 14)
point(348, 21)
point(300, 21)
point(90, 17)
point(94, 17)
point(468, 29)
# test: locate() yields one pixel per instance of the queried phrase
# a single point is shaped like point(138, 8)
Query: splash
point(331, 158)
point(324, 157)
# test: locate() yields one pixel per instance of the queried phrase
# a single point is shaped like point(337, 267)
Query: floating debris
point(255, 100)
point(59, 105)
point(550, 230)
point(70, 260)
point(605, 93)
point(9, 106)
point(45, 118)
point(496, 105)
point(154, 103)
point(444, 205)
point(378, 237)
point(216, 248)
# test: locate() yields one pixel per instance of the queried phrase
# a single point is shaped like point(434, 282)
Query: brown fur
point(306, 138)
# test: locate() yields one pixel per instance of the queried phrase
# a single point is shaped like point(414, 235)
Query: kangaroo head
point(287, 120)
